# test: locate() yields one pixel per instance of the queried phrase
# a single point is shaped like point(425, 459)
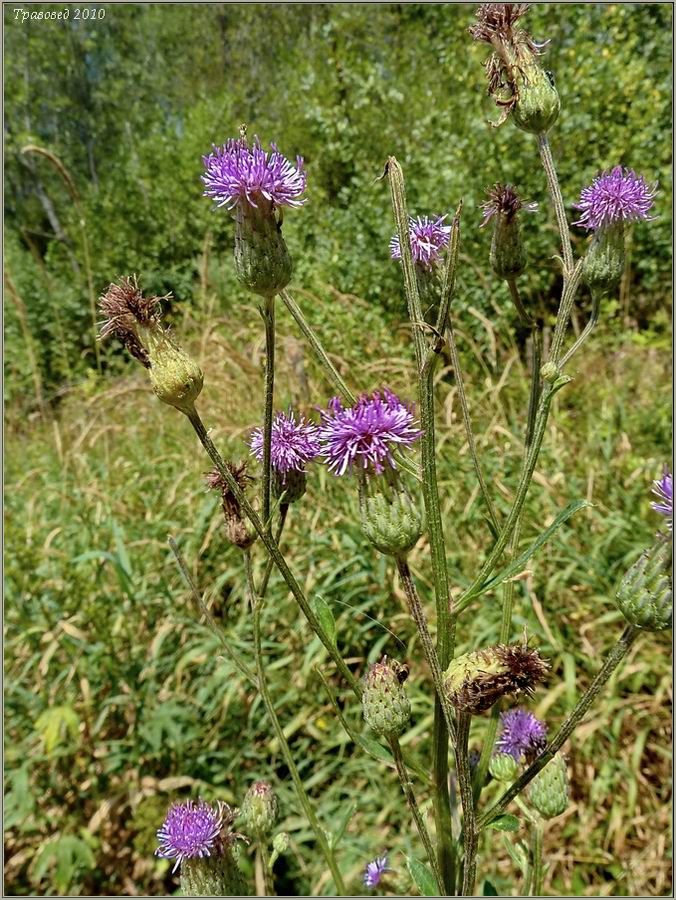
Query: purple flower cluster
point(375, 871)
point(191, 830)
point(293, 445)
point(616, 196)
point(239, 174)
point(522, 734)
point(428, 236)
point(365, 435)
point(663, 489)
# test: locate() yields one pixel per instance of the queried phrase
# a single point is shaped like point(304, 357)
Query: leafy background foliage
point(116, 698)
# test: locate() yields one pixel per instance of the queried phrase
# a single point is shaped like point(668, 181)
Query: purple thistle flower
point(237, 173)
point(366, 433)
point(294, 443)
point(522, 734)
point(617, 196)
point(428, 236)
point(191, 830)
point(375, 871)
point(663, 488)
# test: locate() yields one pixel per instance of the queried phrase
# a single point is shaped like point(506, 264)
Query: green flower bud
point(644, 596)
point(549, 372)
point(508, 256)
point(262, 261)
point(503, 767)
point(213, 876)
point(384, 703)
point(175, 377)
point(475, 681)
point(548, 791)
point(603, 263)
point(537, 104)
point(280, 843)
point(391, 521)
point(291, 488)
point(259, 808)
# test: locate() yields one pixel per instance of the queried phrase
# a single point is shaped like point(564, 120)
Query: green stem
point(524, 316)
point(327, 852)
point(315, 343)
point(413, 807)
point(557, 199)
point(268, 879)
point(469, 830)
point(283, 512)
point(272, 549)
point(614, 658)
point(537, 838)
point(233, 655)
point(597, 297)
point(268, 313)
point(565, 309)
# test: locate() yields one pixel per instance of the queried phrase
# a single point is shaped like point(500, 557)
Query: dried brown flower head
point(504, 200)
point(236, 527)
point(125, 308)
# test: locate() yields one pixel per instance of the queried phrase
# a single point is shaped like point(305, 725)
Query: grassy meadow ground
point(117, 700)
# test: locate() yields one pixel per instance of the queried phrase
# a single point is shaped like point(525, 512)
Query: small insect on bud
point(508, 257)
point(259, 808)
point(549, 372)
point(644, 596)
point(390, 519)
point(548, 791)
point(503, 767)
point(475, 681)
point(384, 702)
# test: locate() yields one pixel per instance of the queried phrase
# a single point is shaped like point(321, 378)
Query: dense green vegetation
point(116, 699)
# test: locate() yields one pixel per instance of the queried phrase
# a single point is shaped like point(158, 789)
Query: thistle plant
point(382, 449)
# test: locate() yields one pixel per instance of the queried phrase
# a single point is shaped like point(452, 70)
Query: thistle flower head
point(375, 871)
point(503, 200)
point(522, 735)
point(236, 527)
point(294, 443)
point(239, 174)
point(663, 489)
point(428, 236)
point(616, 196)
point(125, 309)
point(366, 434)
point(195, 830)
point(497, 20)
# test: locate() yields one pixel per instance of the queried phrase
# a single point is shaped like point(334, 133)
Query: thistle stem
point(557, 199)
point(469, 829)
point(537, 841)
point(613, 660)
point(268, 313)
point(415, 811)
point(327, 852)
point(597, 296)
point(268, 879)
point(565, 309)
point(283, 512)
point(272, 549)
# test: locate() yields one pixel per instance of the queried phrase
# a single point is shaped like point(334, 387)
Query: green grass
point(117, 700)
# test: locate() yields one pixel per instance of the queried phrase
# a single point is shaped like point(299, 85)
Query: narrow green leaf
point(423, 878)
point(323, 612)
point(517, 565)
point(505, 823)
point(371, 746)
point(337, 835)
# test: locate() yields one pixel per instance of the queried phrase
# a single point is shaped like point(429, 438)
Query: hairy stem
point(597, 297)
point(469, 830)
point(268, 879)
point(268, 313)
point(415, 811)
point(283, 512)
point(327, 852)
point(614, 658)
point(565, 309)
point(557, 200)
point(272, 549)
point(537, 840)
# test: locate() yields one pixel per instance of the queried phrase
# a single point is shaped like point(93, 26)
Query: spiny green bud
point(262, 261)
point(217, 875)
point(508, 256)
point(280, 843)
point(537, 104)
point(548, 791)
point(644, 596)
point(290, 487)
point(549, 372)
point(503, 767)
point(391, 521)
point(475, 681)
point(603, 264)
point(175, 377)
point(384, 703)
point(259, 808)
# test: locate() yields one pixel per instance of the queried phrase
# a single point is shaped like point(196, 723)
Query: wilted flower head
point(616, 196)
point(125, 309)
point(366, 434)
point(497, 21)
point(294, 443)
point(375, 871)
point(428, 236)
point(503, 199)
point(239, 174)
point(663, 488)
point(522, 735)
point(193, 830)
point(236, 527)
